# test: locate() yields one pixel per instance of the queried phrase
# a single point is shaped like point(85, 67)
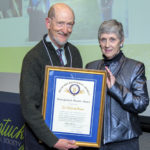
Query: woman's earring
point(121, 45)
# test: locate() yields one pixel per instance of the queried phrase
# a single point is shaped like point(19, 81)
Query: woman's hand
point(110, 78)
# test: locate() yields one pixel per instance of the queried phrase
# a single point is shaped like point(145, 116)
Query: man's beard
point(60, 43)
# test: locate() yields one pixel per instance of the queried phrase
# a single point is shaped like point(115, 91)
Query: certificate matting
point(73, 103)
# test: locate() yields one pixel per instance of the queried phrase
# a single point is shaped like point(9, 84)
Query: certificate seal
point(74, 89)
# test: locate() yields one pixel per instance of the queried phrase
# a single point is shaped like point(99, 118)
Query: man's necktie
point(59, 53)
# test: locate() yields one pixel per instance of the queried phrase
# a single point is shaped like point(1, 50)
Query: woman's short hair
point(111, 26)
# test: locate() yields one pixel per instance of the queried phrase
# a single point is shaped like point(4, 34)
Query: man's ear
point(47, 22)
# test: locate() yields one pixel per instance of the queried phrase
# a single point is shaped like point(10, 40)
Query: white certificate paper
point(73, 106)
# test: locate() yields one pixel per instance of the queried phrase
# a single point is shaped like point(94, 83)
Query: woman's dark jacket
point(124, 100)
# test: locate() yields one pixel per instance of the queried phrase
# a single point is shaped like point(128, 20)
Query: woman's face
point(110, 44)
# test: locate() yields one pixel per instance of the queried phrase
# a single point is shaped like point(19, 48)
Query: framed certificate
point(73, 104)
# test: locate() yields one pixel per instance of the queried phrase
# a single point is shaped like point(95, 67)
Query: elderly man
point(59, 23)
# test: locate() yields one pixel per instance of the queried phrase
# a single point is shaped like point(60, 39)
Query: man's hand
point(64, 144)
point(110, 78)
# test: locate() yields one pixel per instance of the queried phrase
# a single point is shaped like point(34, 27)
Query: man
point(59, 23)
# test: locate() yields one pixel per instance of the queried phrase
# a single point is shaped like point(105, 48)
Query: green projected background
point(11, 57)
point(21, 29)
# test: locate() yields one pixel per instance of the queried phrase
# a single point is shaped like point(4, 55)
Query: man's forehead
point(64, 15)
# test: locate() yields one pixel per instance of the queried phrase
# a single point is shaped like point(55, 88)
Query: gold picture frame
point(73, 103)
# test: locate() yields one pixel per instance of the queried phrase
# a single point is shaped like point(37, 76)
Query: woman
point(126, 94)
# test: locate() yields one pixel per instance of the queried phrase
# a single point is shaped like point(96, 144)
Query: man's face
point(60, 26)
point(110, 44)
